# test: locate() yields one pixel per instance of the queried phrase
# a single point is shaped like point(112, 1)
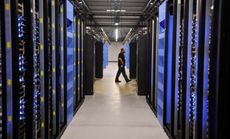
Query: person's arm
point(121, 61)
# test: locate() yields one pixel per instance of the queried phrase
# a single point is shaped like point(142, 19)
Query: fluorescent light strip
point(116, 11)
point(116, 34)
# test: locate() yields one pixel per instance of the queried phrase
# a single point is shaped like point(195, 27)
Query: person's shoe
point(117, 81)
point(128, 81)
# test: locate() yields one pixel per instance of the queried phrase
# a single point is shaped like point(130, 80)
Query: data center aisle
point(114, 112)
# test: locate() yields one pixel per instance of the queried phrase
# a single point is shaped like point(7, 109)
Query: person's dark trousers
point(121, 70)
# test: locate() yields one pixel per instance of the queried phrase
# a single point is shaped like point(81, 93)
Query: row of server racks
point(189, 67)
point(41, 67)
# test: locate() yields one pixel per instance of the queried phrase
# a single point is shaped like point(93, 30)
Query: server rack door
point(62, 77)
point(2, 75)
point(219, 71)
point(176, 70)
point(99, 59)
point(82, 57)
point(133, 57)
point(55, 68)
point(29, 63)
point(13, 94)
point(189, 97)
point(168, 67)
point(149, 60)
point(75, 61)
point(88, 65)
point(37, 72)
point(79, 59)
point(141, 65)
point(44, 67)
point(203, 81)
point(161, 62)
point(156, 64)
point(70, 59)
point(151, 95)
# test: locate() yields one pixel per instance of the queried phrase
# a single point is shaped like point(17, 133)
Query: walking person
point(121, 67)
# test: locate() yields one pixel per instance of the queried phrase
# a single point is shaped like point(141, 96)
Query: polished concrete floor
point(114, 112)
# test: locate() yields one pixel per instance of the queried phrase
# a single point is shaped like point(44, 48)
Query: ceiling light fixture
point(116, 24)
point(116, 34)
point(115, 11)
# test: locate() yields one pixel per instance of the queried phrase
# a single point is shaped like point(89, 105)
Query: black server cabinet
point(152, 95)
point(62, 115)
point(89, 56)
point(142, 47)
point(99, 59)
point(149, 64)
point(219, 70)
point(133, 60)
point(176, 102)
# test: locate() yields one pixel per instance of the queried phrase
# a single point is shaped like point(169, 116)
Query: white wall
point(114, 50)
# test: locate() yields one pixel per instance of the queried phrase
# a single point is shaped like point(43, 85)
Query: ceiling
point(128, 13)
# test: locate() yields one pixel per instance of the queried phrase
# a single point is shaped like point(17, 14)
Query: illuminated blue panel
point(105, 53)
point(127, 54)
point(169, 72)
point(70, 61)
point(161, 62)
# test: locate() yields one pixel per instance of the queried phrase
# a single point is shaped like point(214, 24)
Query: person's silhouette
point(121, 66)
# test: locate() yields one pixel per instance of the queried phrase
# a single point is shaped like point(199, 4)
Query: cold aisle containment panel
point(40, 47)
point(188, 75)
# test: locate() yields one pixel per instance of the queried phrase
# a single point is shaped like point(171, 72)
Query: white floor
point(114, 112)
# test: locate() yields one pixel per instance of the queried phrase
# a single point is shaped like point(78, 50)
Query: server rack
point(55, 69)
point(133, 57)
point(219, 70)
point(191, 107)
point(99, 59)
point(168, 65)
point(70, 59)
point(82, 57)
point(79, 58)
point(15, 67)
point(150, 59)
point(33, 78)
point(161, 61)
point(177, 66)
point(75, 41)
point(89, 65)
point(2, 73)
point(63, 71)
point(36, 74)
point(149, 94)
point(142, 44)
